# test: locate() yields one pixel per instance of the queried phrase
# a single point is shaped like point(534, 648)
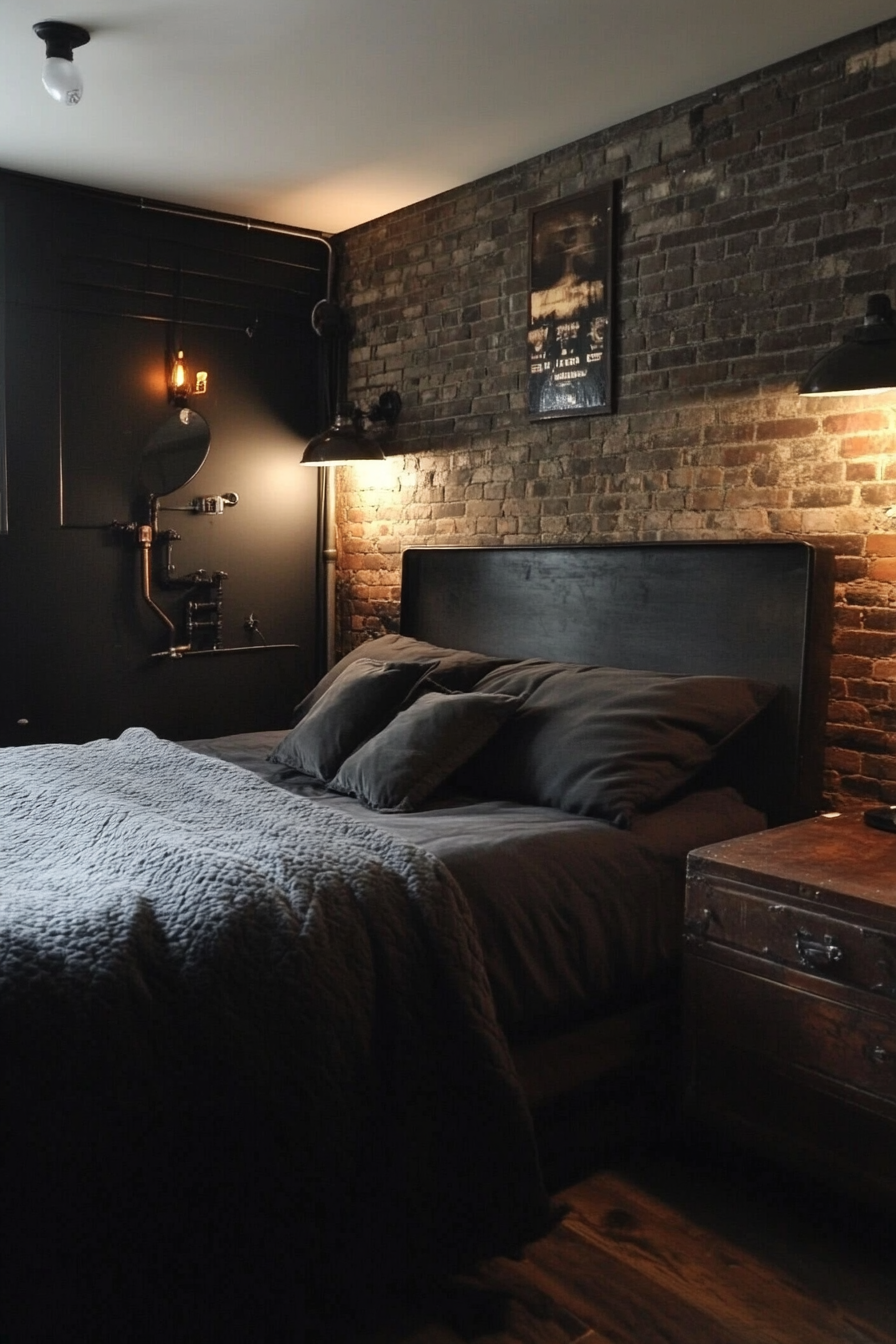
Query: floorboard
point(681, 1247)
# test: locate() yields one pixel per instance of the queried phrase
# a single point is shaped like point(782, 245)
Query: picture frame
point(570, 336)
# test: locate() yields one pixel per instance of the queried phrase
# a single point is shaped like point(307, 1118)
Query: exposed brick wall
point(754, 222)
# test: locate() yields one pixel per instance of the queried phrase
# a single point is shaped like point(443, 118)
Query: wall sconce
point(346, 439)
point(61, 77)
point(865, 361)
point(183, 384)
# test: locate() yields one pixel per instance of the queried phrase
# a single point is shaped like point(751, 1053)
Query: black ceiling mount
point(61, 38)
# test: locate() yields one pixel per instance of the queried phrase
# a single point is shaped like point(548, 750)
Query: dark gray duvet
point(250, 1059)
point(573, 915)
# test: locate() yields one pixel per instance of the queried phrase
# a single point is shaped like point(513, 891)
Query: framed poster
point(570, 334)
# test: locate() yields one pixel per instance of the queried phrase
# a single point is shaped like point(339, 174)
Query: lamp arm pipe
point(328, 553)
point(144, 538)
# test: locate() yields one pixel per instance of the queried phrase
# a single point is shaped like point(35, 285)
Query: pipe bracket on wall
point(215, 503)
point(204, 604)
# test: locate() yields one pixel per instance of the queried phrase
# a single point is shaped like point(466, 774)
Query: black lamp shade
point(864, 362)
point(341, 443)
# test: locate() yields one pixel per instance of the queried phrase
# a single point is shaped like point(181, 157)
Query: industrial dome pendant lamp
point(345, 441)
point(62, 78)
point(864, 361)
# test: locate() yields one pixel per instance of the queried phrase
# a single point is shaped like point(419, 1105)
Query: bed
point(277, 1019)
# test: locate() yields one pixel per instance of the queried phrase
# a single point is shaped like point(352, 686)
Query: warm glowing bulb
point(62, 80)
point(179, 373)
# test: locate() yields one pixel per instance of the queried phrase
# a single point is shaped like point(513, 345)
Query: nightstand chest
point(790, 997)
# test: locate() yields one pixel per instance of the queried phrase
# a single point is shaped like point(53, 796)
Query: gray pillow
point(454, 670)
point(603, 741)
point(355, 706)
point(424, 744)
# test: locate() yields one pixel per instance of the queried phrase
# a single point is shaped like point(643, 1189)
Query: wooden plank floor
point(681, 1248)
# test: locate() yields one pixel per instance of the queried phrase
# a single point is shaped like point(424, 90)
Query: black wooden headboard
point(759, 609)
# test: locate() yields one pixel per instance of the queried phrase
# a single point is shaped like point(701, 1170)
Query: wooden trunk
point(790, 997)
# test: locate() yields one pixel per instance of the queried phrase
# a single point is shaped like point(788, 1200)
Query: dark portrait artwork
point(569, 335)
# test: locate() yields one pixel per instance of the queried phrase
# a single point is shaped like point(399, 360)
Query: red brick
point(786, 429)
point(883, 570)
point(863, 445)
point(881, 543)
point(855, 422)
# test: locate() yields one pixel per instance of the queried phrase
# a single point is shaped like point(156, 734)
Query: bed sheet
point(574, 915)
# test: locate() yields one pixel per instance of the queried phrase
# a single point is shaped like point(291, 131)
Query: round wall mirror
point(175, 452)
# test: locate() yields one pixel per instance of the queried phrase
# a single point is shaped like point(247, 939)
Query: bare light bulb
point(179, 386)
point(62, 80)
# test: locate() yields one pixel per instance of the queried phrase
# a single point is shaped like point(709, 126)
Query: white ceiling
point(326, 113)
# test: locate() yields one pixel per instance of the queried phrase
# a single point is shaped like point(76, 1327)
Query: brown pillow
point(603, 741)
point(454, 670)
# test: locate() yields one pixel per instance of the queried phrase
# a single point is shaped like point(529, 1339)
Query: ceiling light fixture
point(864, 361)
point(62, 78)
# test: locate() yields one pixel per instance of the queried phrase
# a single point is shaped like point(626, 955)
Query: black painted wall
point(95, 286)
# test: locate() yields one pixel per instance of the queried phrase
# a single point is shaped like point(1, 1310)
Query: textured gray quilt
point(250, 1062)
